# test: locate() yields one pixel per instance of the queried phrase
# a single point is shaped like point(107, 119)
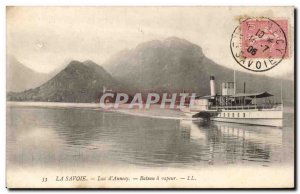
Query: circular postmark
point(259, 44)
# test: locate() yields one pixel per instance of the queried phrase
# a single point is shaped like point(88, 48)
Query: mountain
point(78, 82)
point(20, 77)
point(171, 65)
point(176, 65)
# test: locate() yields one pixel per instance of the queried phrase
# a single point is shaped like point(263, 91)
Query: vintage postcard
point(150, 97)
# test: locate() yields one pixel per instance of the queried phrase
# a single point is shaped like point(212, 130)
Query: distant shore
point(53, 104)
point(154, 111)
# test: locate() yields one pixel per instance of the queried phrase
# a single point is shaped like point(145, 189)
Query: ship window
point(228, 115)
point(223, 114)
point(238, 115)
point(244, 114)
point(232, 114)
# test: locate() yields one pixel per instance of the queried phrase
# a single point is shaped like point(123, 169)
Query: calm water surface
point(70, 137)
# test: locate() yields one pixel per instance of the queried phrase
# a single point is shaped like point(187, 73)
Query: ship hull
point(255, 121)
point(251, 117)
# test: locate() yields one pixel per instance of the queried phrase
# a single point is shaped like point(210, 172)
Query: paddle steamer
point(247, 108)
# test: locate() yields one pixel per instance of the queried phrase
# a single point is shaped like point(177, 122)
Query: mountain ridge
point(171, 65)
point(77, 82)
point(175, 65)
point(20, 77)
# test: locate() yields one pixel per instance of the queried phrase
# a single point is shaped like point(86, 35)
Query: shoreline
point(153, 112)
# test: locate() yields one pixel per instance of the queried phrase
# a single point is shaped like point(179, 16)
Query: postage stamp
point(259, 44)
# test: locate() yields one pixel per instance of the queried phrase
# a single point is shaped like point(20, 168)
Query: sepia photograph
point(150, 97)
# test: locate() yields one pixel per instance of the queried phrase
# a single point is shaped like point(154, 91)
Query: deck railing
point(273, 106)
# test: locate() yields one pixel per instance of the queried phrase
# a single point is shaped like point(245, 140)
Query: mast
point(234, 86)
point(281, 103)
point(281, 93)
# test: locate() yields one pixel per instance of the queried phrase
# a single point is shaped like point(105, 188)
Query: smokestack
point(212, 86)
point(244, 87)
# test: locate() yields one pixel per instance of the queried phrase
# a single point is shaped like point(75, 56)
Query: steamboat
point(246, 108)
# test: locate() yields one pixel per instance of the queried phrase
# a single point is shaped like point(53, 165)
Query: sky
point(47, 38)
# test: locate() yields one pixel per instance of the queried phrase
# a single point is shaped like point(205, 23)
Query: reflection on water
point(66, 137)
point(236, 143)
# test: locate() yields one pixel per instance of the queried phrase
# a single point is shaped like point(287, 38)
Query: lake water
point(78, 137)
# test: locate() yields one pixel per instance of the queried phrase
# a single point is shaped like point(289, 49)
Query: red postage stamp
point(260, 44)
point(264, 38)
